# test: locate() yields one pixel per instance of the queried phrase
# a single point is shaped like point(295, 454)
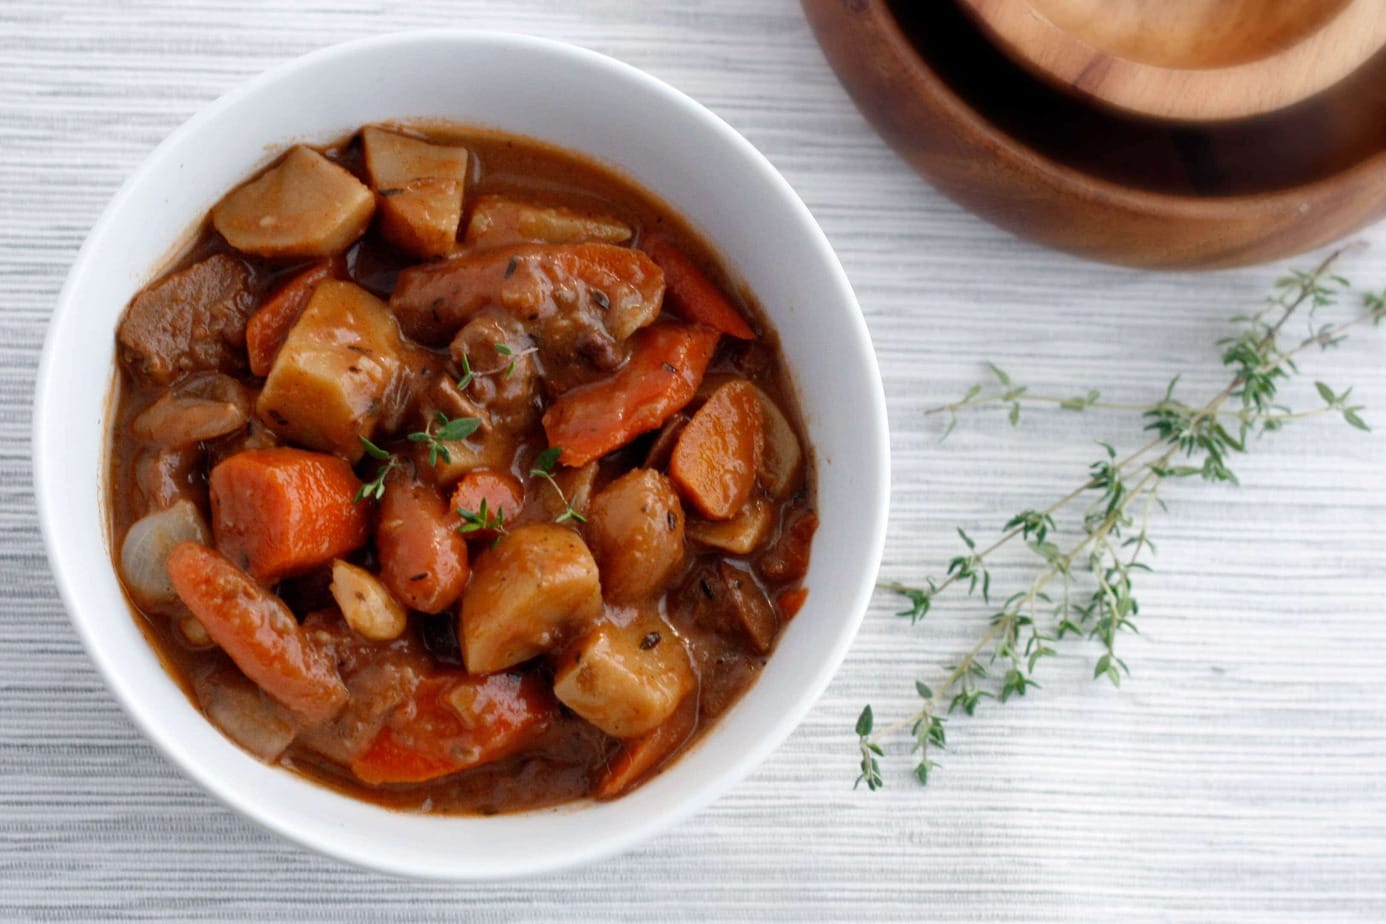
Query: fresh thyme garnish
point(470, 374)
point(1085, 590)
point(375, 488)
point(474, 521)
point(467, 374)
point(449, 431)
point(543, 468)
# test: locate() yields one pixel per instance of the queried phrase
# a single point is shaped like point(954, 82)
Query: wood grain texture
point(1103, 186)
point(1188, 59)
point(1240, 774)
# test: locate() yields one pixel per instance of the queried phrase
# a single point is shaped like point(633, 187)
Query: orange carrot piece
point(456, 722)
point(282, 511)
point(501, 492)
point(423, 560)
point(269, 325)
point(691, 294)
point(715, 460)
point(258, 632)
point(639, 757)
point(791, 601)
point(666, 366)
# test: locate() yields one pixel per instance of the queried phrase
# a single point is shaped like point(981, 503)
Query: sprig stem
point(1123, 491)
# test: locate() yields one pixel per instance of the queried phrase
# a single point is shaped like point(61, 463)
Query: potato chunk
point(782, 464)
point(625, 680)
point(394, 159)
point(327, 385)
point(420, 186)
point(537, 585)
point(636, 526)
point(303, 206)
point(745, 532)
point(499, 220)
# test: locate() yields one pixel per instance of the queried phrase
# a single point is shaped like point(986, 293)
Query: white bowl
point(582, 101)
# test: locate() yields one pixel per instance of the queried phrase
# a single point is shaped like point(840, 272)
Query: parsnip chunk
point(625, 680)
point(537, 585)
point(328, 383)
point(304, 206)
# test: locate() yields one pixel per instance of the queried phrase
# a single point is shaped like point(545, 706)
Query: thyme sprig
point(1087, 590)
point(448, 431)
point(543, 467)
point(375, 488)
point(483, 518)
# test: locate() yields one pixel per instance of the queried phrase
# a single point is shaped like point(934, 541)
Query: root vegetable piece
point(423, 559)
point(578, 300)
point(421, 217)
point(420, 186)
point(639, 757)
point(692, 295)
point(625, 679)
point(635, 527)
point(499, 220)
point(303, 206)
point(328, 385)
point(455, 722)
point(394, 159)
point(501, 494)
point(666, 365)
point(193, 320)
point(716, 458)
point(259, 633)
point(366, 604)
point(742, 534)
point(782, 464)
point(279, 512)
point(536, 587)
point(272, 321)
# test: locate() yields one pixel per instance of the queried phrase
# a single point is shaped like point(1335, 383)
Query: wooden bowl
point(1103, 184)
point(1188, 59)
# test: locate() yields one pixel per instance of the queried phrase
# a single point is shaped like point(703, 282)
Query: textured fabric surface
point(1239, 774)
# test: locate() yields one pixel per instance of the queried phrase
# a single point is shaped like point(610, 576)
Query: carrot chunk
point(715, 460)
point(500, 492)
point(258, 632)
point(423, 560)
point(638, 757)
point(281, 511)
point(666, 366)
point(269, 325)
point(455, 722)
point(691, 294)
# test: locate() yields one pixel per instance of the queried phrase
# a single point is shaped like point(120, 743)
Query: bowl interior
point(1191, 60)
point(1188, 33)
point(1316, 140)
point(582, 101)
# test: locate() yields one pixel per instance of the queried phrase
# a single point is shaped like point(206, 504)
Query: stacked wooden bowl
point(1166, 133)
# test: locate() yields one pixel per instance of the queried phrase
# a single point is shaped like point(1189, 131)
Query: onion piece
point(144, 553)
point(245, 713)
point(200, 408)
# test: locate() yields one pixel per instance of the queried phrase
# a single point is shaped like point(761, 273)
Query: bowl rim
point(876, 449)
